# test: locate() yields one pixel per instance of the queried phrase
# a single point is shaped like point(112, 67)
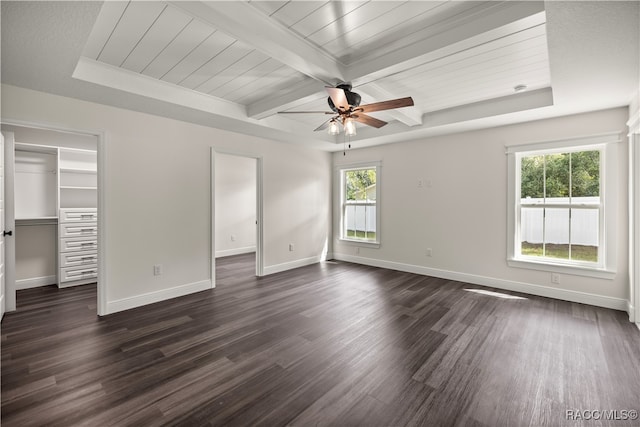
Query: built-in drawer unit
point(70, 274)
point(79, 229)
point(78, 259)
point(78, 215)
point(75, 244)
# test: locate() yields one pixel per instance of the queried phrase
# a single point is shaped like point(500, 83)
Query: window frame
point(606, 144)
point(341, 170)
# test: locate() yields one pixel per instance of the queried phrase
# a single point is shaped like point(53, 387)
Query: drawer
point(78, 259)
point(72, 273)
point(78, 244)
point(78, 215)
point(79, 229)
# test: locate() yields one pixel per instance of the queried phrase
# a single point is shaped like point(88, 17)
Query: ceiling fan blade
point(338, 97)
point(386, 105)
point(368, 120)
point(306, 112)
point(323, 126)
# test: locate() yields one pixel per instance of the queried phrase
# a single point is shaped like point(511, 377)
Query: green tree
point(357, 181)
point(575, 174)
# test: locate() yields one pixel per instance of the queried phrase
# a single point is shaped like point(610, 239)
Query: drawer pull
point(89, 216)
point(87, 244)
point(86, 230)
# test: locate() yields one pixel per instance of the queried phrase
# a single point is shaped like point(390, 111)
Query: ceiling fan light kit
point(349, 126)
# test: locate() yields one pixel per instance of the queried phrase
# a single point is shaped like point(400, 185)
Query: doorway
point(53, 199)
point(236, 208)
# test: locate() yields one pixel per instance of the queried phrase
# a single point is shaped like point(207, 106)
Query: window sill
point(599, 273)
point(355, 242)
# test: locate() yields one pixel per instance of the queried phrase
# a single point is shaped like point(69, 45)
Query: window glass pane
point(556, 176)
point(350, 221)
point(532, 177)
point(585, 174)
point(370, 228)
point(360, 184)
point(531, 231)
point(584, 234)
point(556, 233)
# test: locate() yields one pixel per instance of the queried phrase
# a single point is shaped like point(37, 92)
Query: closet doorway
point(236, 208)
point(52, 206)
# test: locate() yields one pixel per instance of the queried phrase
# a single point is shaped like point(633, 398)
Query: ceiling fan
point(346, 109)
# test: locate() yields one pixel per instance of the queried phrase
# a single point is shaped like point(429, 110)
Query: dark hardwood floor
point(329, 344)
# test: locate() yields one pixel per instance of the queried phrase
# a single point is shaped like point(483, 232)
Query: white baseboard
point(272, 269)
point(36, 282)
point(2, 309)
point(527, 288)
point(161, 295)
point(237, 251)
point(631, 311)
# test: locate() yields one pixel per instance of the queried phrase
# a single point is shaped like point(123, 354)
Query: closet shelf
point(47, 220)
point(70, 187)
point(78, 170)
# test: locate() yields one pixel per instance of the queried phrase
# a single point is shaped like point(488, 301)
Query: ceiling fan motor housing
point(352, 98)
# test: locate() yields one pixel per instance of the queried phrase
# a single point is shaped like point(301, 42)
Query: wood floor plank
point(328, 344)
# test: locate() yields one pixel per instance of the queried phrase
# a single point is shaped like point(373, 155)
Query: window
point(560, 206)
point(359, 208)
point(558, 218)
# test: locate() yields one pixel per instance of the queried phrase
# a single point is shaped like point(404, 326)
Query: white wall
point(157, 185)
point(235, 206)
point(36, 248)
point(467, 197)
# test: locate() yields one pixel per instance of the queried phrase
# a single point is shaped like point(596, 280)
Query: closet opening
point(237, 215)
point(52, 207)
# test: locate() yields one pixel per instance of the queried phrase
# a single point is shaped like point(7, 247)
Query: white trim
point(607, 262)
point(340, 202)
point(1, 306)
point(509, 285)
point(259, 248)
point(272, 269)
point(236, 251)
point(634, 123)
point(579, 141)
point(634, 222)
point(101, 306)
point(212, 216)
point(157, 296)
point(36, 282)
point(631, 311)
point(574, 270)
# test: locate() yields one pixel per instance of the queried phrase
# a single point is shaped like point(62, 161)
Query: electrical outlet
point(157, 269)
point(233, 237)
point(429, 252)
point(420, 183)
point(291, 247)
point(357, 250)
point(555, 278)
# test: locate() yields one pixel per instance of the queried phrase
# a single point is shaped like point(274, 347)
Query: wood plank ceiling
point(166, 42)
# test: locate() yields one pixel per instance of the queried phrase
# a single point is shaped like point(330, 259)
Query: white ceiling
point(235, 64)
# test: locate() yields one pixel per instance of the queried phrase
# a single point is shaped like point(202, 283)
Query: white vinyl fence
point(554, 228)
point(360, 218)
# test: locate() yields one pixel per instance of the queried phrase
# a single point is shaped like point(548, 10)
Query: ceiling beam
point(246, 23)
point(410, 116)
point(306, 91)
